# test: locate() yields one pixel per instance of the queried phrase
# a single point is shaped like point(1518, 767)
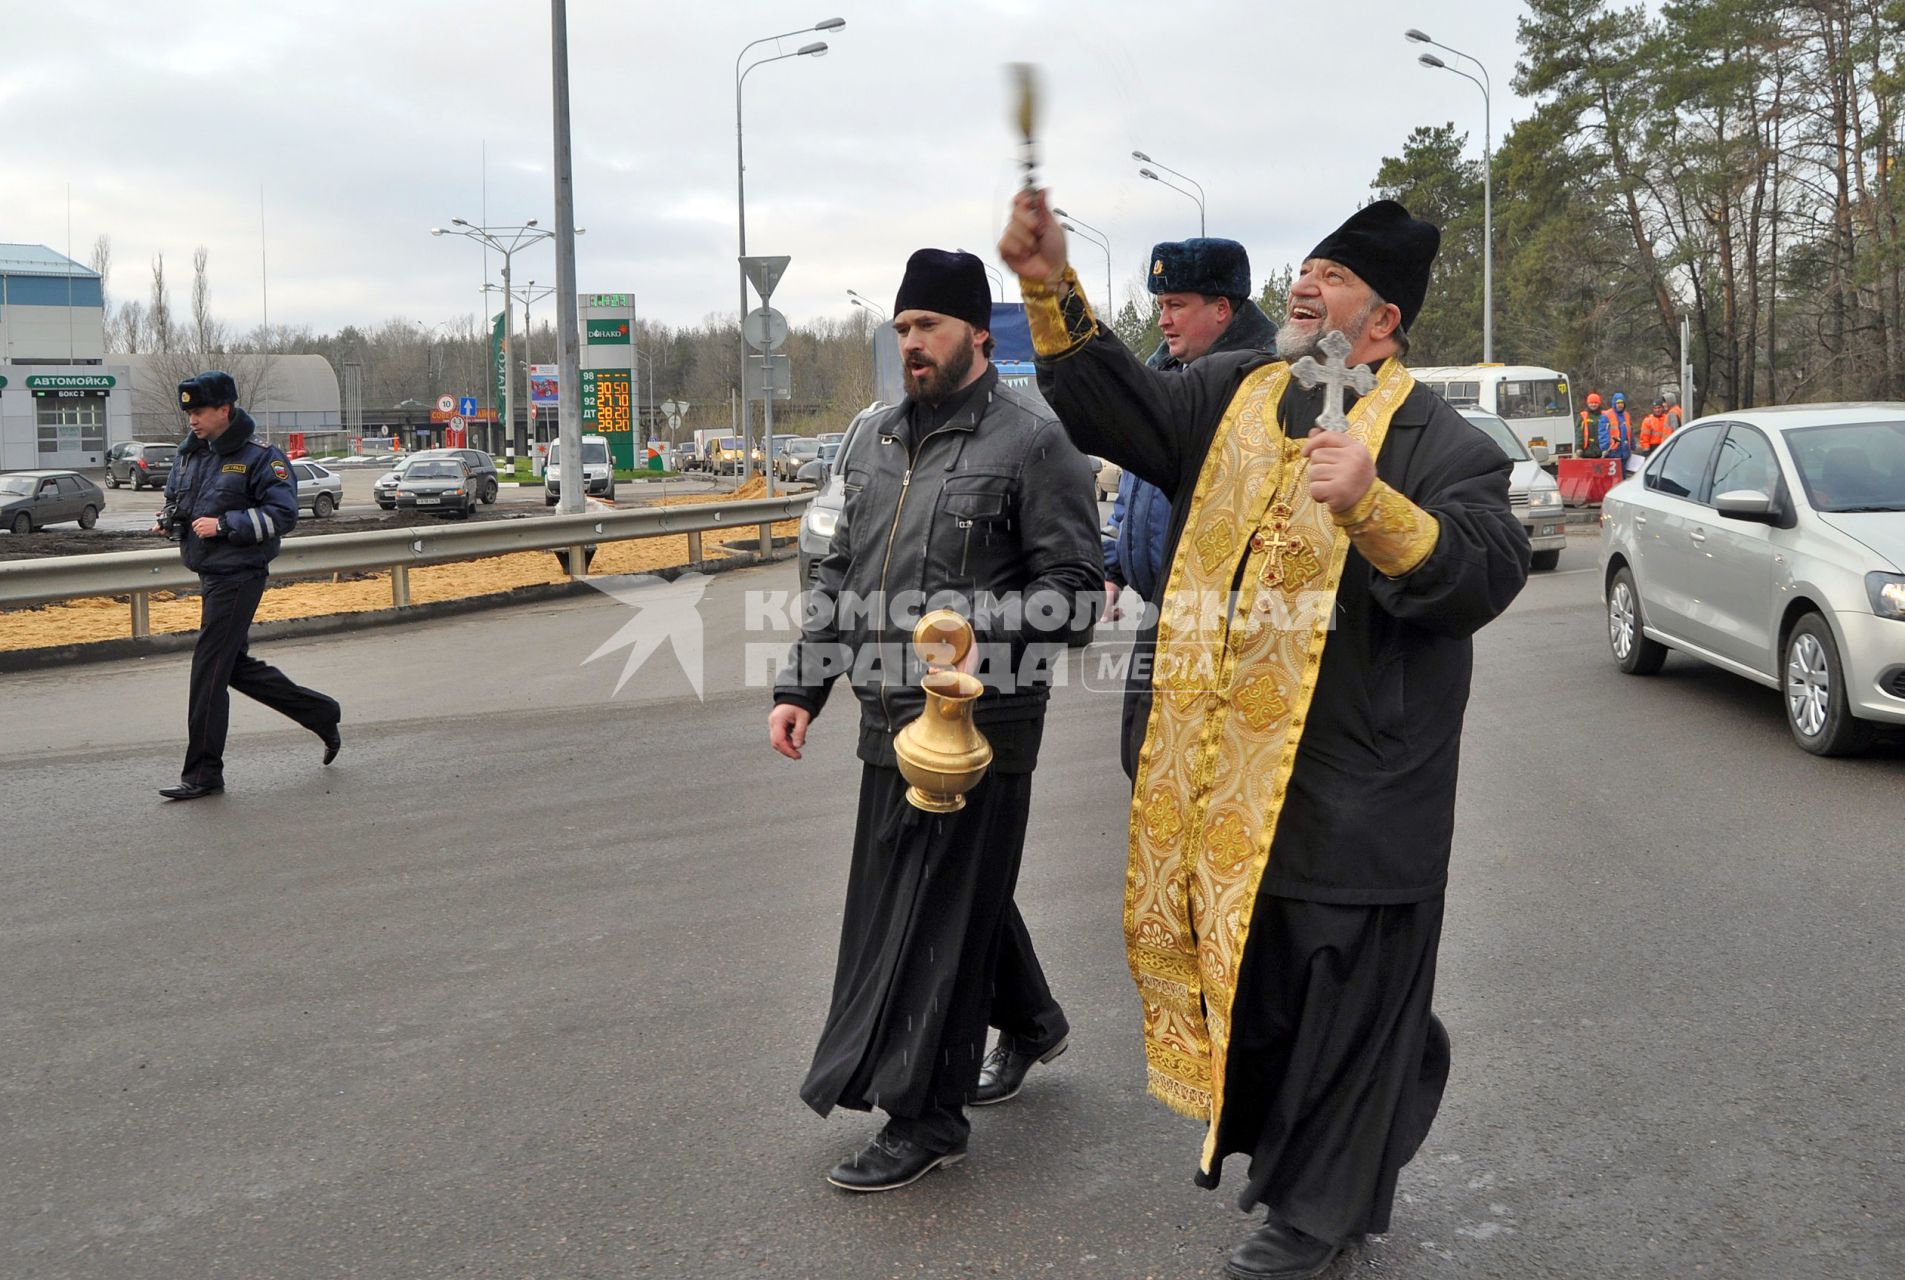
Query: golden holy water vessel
point(942, 753)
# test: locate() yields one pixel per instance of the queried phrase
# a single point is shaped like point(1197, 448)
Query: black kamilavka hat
point(1390, 250)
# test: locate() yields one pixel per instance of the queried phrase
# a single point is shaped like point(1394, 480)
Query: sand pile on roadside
point(106, 618)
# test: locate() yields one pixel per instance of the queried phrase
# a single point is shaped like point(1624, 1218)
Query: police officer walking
point(229, 500)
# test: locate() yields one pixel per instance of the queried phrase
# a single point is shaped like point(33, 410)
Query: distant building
point(64, 400)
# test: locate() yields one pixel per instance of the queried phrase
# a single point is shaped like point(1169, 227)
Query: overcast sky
point(369, 123)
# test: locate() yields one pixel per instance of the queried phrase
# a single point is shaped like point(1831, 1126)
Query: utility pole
point(568, 345)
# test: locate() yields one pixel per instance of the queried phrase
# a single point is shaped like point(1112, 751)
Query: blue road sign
point(467, 406)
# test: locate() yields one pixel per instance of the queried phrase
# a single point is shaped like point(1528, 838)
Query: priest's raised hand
point(1033, 244)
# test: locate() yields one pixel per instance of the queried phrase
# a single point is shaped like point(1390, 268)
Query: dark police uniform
point(246, 485)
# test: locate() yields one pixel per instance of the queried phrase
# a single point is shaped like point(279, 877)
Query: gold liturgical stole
point(1232, 685)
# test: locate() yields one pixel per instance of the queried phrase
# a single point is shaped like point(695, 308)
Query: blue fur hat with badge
point(207, 390)
point(1206, 265)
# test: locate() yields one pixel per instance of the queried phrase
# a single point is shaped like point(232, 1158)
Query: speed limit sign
point(446, 404)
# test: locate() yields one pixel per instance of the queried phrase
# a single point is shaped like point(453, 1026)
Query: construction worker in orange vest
point(1676, 417)
point(1654, 428)
point(1590, 436)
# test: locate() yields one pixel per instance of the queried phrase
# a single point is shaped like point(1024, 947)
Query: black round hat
point(1390, 250)
point(951, 282)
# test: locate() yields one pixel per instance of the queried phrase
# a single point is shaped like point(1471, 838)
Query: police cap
point(207, 390)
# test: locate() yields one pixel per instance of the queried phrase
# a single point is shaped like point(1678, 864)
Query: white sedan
point(1771, 543)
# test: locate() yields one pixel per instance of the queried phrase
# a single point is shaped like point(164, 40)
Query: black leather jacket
point(991, 512)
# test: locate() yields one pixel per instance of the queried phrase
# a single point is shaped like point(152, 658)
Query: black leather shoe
point(887, 1164)
point(1276, 1252)
point(333, 742)
point(191, 790)
point(1002, 1074)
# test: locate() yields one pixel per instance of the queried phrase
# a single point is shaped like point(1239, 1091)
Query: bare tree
point(207, 334)
point(159, 313)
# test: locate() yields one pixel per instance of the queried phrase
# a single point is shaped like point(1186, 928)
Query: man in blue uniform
point(230, 499)
point(1204, 308)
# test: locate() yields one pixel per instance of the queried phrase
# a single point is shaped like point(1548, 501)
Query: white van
point(598, 470)
point(1534, 402)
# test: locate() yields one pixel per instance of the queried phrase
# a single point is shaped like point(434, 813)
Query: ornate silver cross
point(1333, 375)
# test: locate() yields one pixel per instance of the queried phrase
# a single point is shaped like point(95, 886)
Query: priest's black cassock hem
point(1337, 1067)
point(929, 921)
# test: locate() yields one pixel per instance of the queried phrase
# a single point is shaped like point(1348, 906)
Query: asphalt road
point(523, 986)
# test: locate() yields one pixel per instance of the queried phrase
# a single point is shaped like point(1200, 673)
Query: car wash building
point(64, 400)
point(59, 399)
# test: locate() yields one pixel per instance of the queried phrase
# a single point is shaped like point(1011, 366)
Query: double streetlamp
point(817, 48)
point(1072, 222)
point(506, 240)
point(879, 312)
point(1488, 193)
point(1198, 196)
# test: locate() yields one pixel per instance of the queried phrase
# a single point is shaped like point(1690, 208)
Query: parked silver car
point(1532, 492)
point(1771, 543)
point(320, 491)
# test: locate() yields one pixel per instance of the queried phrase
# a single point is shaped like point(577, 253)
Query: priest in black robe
point(965, 495)
point(1338, 535)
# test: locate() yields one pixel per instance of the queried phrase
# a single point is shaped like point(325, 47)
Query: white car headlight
point(1888, 594)
point(823, 521)
point(1544, 498)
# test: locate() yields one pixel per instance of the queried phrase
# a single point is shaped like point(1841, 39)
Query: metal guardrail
point(24, 583)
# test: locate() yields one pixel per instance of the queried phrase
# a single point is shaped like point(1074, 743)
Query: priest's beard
point(929, 384)
point(1299, 338)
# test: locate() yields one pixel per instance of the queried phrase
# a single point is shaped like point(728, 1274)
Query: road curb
point(20, 660)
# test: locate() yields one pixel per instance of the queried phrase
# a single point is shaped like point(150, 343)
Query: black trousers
point(221, 663)
point(932, 949)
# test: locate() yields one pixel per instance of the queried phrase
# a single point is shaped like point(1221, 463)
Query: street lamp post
point(1142, 158)
point(507, 241)
point(1188, 195)
point(1102, 246)
point(1104, 240)
point(861, 302)
point(1488, 187)
point(527, 294)
point(816, 49)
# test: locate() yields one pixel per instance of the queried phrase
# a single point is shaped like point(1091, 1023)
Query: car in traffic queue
point(32, 500)
point(794, 453)
point(320, 490)
point(1771, 544)
point(816, 471)
point(140, 463)
point(725, 458)
point(822, 515)
point(440, 485)
point(1532, 492)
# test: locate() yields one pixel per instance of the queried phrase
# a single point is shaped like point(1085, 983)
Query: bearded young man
point(967, 493)
point(1294, 805)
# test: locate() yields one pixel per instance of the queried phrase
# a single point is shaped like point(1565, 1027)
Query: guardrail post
point(694, 547)
point(141, 615)
point(400, 586)
point(578, 563)
point(767, 541)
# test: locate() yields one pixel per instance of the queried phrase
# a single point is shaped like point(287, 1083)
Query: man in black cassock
point(1294, 805)
point(965, 495)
